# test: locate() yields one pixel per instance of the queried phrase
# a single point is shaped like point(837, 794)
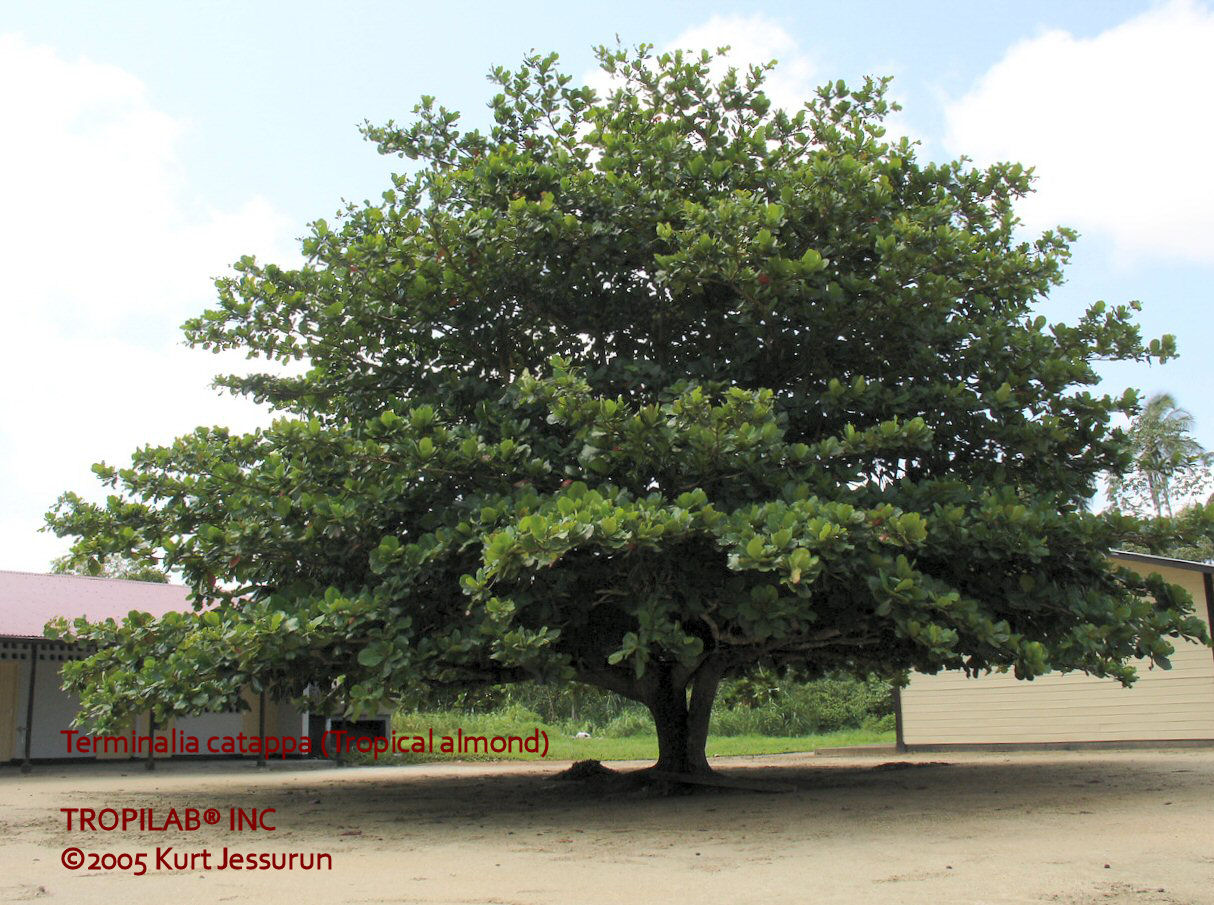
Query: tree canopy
point(642, 390)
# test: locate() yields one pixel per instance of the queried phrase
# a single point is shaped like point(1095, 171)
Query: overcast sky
point(146, 146)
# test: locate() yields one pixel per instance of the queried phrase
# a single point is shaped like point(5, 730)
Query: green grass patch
point(645, 747)
point(563, 746)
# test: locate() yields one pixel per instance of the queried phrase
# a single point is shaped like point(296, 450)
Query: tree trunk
point(682, 727)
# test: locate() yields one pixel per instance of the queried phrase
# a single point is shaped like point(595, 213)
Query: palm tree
point(1167, 459)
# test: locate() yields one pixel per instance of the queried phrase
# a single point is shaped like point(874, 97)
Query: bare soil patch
point(1033, 827)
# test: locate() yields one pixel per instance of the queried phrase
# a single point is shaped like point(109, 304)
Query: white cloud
point(1118, 127)
point(105, 250)
point(755, 40)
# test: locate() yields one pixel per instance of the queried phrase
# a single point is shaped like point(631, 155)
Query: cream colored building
point(1163, 706)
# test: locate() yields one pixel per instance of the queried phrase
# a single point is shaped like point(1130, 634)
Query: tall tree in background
point(113, 566)
point(642, 391)
point(1169, 465)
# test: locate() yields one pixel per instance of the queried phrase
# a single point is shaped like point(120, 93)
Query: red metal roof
point(28, 600)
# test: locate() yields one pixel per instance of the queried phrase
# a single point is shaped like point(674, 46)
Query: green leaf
point(373, 655)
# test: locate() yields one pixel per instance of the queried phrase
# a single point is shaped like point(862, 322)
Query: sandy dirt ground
point(1060, 827)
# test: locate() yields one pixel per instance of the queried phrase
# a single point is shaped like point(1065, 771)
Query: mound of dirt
point(583, 770)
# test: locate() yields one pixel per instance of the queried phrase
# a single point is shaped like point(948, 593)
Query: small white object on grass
point(582, 735)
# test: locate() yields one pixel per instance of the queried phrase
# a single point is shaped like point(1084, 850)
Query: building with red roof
point(34, 708)
point(29, 600)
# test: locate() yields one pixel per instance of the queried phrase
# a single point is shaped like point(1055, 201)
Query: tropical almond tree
point(642, 390)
